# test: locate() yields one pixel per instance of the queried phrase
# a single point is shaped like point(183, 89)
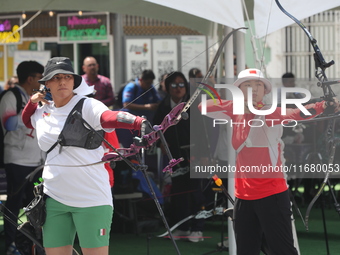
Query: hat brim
point(77, 78)
point(266, 82)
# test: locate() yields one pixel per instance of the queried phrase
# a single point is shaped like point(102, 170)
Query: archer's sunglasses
point(175, 85)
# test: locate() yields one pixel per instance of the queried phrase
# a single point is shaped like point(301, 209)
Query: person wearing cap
point(146, 100)
point(78, 192)
point(141, 99)
point(262, 207)
point(21, 151)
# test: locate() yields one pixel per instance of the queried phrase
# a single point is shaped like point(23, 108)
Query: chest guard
point(260, 135)
point(76, 133)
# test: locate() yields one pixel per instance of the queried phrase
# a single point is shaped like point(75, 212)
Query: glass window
point(60, 50)
point(100, 51)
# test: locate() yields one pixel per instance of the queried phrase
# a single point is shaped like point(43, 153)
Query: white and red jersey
point(88, 184)
point(258, 148)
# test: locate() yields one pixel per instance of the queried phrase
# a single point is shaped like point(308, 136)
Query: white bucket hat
point(253, 74)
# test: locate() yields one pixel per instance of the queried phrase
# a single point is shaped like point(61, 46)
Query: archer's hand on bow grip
point(331, 106)
point(151, 133)
point(148, 138)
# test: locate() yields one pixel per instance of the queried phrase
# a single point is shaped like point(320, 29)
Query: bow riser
point(146, 141)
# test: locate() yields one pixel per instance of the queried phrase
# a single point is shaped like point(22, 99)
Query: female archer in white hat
point(262, 206)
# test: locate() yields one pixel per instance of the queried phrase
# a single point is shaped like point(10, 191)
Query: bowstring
point(253, 43)
point(262, 67)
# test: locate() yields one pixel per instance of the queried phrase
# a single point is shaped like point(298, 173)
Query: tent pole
point(229, 71)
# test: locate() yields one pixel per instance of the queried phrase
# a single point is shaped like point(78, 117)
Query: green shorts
point(92, 225)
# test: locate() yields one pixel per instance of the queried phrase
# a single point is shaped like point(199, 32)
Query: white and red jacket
point(258, 147)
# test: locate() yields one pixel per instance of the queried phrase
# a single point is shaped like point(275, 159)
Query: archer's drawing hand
point(39, 97)
point(336, 104)
point(331, 106)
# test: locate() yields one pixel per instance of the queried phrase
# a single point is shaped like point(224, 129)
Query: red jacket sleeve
point(27, 113)
point(120, 119)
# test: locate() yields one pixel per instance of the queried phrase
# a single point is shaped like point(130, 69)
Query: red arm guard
point(27, 113)
point(119, 119)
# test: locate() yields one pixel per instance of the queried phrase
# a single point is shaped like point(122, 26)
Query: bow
point(328, 95)
point(147, 140)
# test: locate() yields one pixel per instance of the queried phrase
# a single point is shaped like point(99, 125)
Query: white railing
point(131, 20)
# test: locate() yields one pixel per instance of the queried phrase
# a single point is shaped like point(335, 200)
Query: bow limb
point(203, 214)
point(320, 63)
point(208, 74)
point(331, 151)
point(177, 225)
point(320, 67)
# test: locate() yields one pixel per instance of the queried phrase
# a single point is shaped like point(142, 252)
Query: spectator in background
point(102, 84)
point(146, 99)
point(195, 73)
point(288, 81)
point(21, 151)
point(187, 196)
point(295, 134)
point(139, 98)
point(11, 82)
point(161, 89)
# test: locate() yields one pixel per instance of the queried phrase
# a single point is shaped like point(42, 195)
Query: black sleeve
point(200, 127)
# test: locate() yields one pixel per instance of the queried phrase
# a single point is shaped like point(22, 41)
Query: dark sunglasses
point(175, 85)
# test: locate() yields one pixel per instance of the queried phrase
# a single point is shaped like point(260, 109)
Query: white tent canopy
point(195, 14)
point(268, 17)
point(199, 15)
point(228, 13)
